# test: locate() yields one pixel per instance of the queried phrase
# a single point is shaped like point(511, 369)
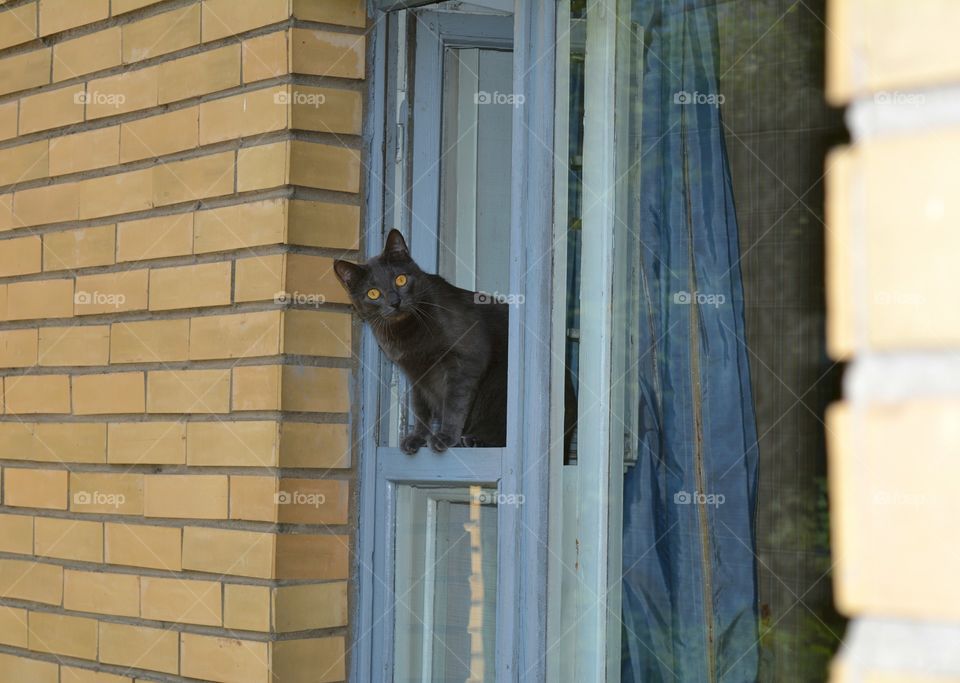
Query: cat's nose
point(393, 300)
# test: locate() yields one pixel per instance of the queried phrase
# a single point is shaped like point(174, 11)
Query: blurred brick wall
point(175, 439)
point(893, 280)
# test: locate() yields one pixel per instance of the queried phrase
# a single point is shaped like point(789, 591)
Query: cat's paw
point(471, 441)
point(441, 442)
point(412, 443)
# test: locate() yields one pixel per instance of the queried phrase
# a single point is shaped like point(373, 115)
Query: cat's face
point(386, 287)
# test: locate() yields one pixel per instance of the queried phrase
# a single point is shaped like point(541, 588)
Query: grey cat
point(451, 345)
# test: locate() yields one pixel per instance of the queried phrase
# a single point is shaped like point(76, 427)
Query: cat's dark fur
point(452, 348)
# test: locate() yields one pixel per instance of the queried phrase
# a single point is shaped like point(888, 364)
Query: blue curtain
point(689, 586)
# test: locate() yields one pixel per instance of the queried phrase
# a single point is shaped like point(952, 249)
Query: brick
point(243, 335)
point(234, 444)
point(182, 181)
point(314, 501)
point(37, 394)
point(260, 278)
point(324, 53)
point(256, 387)
point(69, 674)
point(155, 649)
point(13, 627)
point(40, 299)
point(8, 119)
point(266, 57)
point(147, 443)
point(70, 442)
point(35, 488)
point(152, 238)
point(31, 580)
point(117, 594)
point(69, 539)
point(124, 92)
point(63, 635)
point(188, 391)
point(24, 162)
point(211, 658)
point(20, 256)
point(159, 135)
point(309, 556)
point(106, 493)
point(16, 535)
point(18, 348)
point(227, 551)
point(83, 248)
point(244, 115)
point(79, 345)
point(317, 333)
point(263, 166)
point(25, 71)
point(326, 110)
point(254, 498)
point(153, 547)
point(112, 292)
point(321, 224)
point(116, 392)
point(14, 668)
point(181, 600)
point(223, 18)
point(315, 390)
point(52, 109)
point(149, 341)
point(246, 608)
point(48, 204)
point(161, 33)
point(84, 151)
point(240, 226)
point(312, 445)
point(17, 441)
point(314, 660)
point(343, 12)
point(185, 496)
point(325, 167)
point(310, 606)
point(202, 285)
point(84, 55)
point(200, 74)
point(116, 194)
point(60, 15)
point(18, 25)
point(124, 6)
point(314, 275)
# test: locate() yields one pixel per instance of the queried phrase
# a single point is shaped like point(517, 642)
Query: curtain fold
point(689, 585)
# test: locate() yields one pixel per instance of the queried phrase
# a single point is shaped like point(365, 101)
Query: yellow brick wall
point(175, 440)
point(893, 279)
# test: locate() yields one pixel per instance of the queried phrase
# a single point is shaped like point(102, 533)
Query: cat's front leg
point(416, 439)
point(456, 407)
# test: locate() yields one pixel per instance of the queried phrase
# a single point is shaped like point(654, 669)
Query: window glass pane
point(446, 584)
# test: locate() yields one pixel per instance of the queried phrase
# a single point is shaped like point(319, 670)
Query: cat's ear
point(348, 273)
point(396, 245)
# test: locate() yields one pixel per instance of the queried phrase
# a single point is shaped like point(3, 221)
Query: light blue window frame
point(523, 468)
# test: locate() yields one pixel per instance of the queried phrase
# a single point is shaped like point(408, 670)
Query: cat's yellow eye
point(373, 294)
point(401, 280)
